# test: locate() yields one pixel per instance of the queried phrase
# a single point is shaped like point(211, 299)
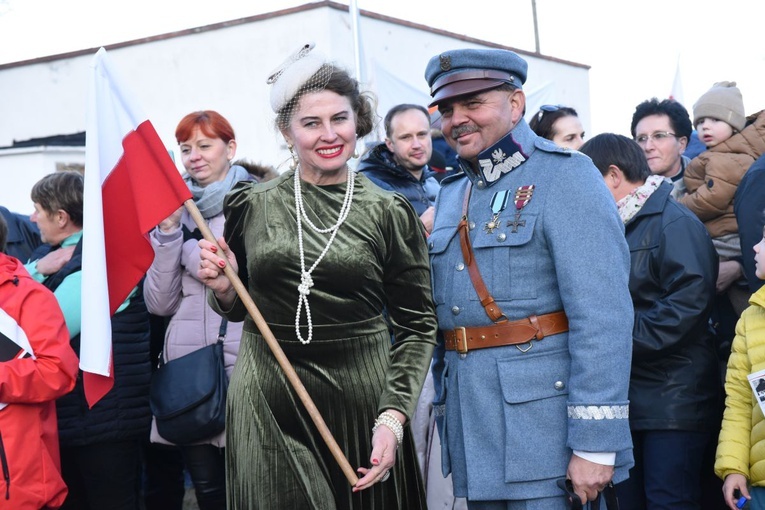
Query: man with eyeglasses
point(662, 129)
point(530, 274)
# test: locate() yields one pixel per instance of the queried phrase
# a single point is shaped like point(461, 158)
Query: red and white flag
point(131, 185)
point(677, 85)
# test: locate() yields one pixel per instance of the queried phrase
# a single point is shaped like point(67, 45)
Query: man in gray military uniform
point(530, 279)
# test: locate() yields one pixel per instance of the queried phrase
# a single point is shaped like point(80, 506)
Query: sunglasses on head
point(547, 108)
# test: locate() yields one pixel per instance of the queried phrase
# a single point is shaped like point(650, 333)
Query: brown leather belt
point(517, 332)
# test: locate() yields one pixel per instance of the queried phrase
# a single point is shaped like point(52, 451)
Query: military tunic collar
point(506, 155)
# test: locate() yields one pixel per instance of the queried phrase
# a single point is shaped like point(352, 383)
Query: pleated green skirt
point(275, 457)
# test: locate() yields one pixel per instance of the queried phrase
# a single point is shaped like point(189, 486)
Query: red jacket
point(29, 456)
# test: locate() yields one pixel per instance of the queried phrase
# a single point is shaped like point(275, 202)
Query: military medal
point(498, 204)
point(522, 197)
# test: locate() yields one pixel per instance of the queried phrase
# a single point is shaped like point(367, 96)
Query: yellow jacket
point(741, 446)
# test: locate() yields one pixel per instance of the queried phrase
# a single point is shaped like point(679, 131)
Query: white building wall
point(225, 69)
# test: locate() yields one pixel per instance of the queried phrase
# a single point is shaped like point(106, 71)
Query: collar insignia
point(501, 158)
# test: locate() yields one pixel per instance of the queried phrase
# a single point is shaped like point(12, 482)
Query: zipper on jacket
point(6, 471)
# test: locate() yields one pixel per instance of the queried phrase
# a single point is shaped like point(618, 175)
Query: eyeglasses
point(658, 137)
point(547, 108)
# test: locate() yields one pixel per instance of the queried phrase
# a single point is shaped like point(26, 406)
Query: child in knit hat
point(713, 176)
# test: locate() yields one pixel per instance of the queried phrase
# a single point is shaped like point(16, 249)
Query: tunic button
point(431, 245)
point(456, 310)
point(559, 385)
point(480, 185)
point(459, 266)
point(501, 237)
point(471, 225)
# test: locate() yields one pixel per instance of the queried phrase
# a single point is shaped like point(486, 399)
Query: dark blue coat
point(380, 167)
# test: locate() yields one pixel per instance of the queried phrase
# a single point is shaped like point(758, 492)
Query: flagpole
point(276, 349)
point(353, 9)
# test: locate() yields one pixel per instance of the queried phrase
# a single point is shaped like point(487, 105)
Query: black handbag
point(188, 394)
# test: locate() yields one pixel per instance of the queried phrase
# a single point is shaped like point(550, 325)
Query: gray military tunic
point(511, 419)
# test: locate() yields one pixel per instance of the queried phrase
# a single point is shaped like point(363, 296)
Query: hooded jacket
point(713, 176)
point(741, 447)
point(383, 170)
point(29, 449)
point(172, 289)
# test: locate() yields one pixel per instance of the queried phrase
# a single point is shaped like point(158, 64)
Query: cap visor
point(464, 87)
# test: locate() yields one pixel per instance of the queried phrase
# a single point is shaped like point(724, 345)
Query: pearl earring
point(295, 160)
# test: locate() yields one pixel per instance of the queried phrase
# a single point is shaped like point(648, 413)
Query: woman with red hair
point(172, 288)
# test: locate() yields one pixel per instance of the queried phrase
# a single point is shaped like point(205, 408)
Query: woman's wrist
point(226, 297)
point(392, 422)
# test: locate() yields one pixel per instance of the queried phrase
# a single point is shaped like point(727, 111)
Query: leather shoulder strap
point(489, 305)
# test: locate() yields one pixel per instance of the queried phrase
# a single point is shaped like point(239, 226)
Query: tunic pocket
point(507, 260)
point(441, 274)
point(535, 391)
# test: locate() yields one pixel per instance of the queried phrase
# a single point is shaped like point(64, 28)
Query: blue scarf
point(209, 199)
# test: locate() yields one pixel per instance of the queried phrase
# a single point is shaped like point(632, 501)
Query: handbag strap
point(489, 305)
point(222, 329)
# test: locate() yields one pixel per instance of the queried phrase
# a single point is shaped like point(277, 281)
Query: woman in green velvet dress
point(323, 251)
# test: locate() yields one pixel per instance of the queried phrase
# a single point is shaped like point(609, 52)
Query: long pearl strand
point(306, 282)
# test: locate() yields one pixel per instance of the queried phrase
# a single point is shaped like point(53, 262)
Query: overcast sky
point(633, 48)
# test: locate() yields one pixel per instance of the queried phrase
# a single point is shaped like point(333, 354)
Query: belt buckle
point(460, 342)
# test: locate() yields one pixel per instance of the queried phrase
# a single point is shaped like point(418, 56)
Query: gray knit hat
point(722, 102)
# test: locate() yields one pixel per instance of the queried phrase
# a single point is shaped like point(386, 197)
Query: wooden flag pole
point(276, 349)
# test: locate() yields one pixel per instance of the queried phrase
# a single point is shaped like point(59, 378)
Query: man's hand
point(427, 218)
point(54, 261)
point(588, 478)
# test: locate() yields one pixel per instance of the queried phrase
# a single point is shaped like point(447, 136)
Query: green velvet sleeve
point(406, 280)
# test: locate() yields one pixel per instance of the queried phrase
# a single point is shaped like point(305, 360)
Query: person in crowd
point(23, 235)
point(748, 206)
point(674, 388)
point(30, 318)
point(173, 289)
point(100, 446)
point(400, 163)
point(560, 124)
point(531, 375)
point(713, 177)
point(324, 251)
point(662, 129)
point(741, 443)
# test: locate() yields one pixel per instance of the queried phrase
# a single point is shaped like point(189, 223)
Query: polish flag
point(131, 185)
point(677, 85)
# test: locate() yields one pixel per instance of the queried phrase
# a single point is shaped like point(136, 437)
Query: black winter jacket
point(124, 412)
point(675, 382)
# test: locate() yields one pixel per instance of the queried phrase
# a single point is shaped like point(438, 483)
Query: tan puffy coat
point(713, 176)
point(741, 446)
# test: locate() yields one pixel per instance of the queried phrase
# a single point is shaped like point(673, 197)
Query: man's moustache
point(463, 130)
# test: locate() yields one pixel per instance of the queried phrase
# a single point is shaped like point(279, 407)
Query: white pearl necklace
point(306, 282)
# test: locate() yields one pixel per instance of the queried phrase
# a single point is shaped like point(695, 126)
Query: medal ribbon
point(522, 196)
